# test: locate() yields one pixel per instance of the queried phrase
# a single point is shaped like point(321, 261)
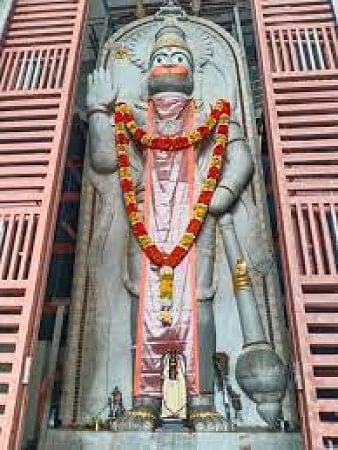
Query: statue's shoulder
point(236, 132)
point(139, 111)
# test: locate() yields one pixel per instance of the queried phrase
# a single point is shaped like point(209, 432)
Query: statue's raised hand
point(100, 91)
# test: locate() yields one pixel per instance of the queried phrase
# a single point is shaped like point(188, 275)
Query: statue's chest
point(174, 125)
point(169, 127)
point(170, 120)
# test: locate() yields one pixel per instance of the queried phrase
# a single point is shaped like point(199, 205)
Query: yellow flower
point(146, 140)
point(224, 119)
point(219, 104)
point(187, 239)
point(125, 109)
point(195, 136)
point(132, 126)
point(220, 139)
point(134, 218)
point(216, 161)
point(200, 211)
point(211, 122)
point(209, 184)
point(130, 197)
point(119, 126)
point(145, 241)
point(125, 172)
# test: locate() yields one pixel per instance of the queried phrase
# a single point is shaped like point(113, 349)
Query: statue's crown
point(170, 36)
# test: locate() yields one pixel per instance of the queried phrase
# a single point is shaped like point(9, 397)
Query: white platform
point(89, 440)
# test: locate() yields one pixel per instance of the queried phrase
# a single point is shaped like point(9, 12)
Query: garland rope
point(125, 126)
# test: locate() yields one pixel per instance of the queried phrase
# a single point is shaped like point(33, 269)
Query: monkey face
point(171, 70)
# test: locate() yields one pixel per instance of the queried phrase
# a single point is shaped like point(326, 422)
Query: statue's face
point(171, 70)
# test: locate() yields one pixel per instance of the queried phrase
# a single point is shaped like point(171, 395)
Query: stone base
point(103, 440)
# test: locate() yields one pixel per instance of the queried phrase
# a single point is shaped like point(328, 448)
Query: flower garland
point(124, 122)
point(124, 115)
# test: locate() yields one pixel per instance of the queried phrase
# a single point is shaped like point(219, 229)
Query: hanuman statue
point(180, 161)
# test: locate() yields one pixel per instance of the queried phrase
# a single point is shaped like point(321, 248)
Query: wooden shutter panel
point(39, 61)
point(298, 48)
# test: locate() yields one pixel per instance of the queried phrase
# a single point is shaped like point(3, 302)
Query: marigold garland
point(124, 118)
point(124, 123)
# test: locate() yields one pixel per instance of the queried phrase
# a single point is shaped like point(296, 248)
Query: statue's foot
point(140, 418)
point(207, 420)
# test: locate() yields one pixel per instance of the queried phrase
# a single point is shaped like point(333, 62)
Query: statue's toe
point(137, 419)
point(148, 426)
point(216, 423)
point(210, 424)
point(136, 424)
point(144, 425)
point(209, 421)
point(121, 424)
point(221, 424)
point(199, 425)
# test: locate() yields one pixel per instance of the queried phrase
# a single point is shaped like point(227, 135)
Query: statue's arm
point(237, 172)
point(101, 144)
point(101, 96)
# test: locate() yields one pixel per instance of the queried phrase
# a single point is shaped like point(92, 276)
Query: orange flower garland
point(124, 115)
point(124, 122)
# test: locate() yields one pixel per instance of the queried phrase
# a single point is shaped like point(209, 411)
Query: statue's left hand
point(100, 91)
point(221, 201)
point(237, 173)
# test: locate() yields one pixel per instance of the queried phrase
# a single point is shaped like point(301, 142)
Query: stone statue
point(115, 404)
point(170, 70)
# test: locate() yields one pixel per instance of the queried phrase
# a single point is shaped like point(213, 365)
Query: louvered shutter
point(298, 49)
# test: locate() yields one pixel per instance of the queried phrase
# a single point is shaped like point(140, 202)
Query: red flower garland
point(124, 120)
point(123, 115)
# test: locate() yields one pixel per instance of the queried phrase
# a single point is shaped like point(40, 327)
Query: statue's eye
point(180, 58)
point(159, 59)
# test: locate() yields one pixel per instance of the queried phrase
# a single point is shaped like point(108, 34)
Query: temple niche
point(181, 317)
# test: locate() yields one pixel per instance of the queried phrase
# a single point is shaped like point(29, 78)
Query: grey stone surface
point(89, 440)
